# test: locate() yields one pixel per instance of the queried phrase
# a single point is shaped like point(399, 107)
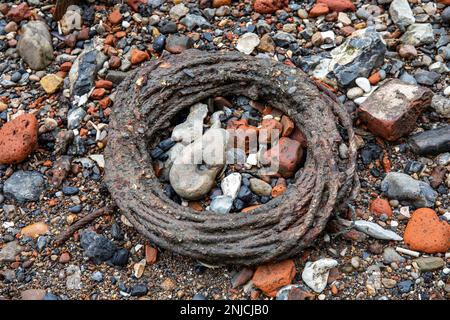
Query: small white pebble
point(321, 296)
point(359, 100)
point(364, 84)
point(447, 91)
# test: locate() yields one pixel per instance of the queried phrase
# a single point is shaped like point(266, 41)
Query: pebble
point(73, 280)
point(96, 247)
point(315, 274)
point(260, 187)
point(247, 43)
point(24, 186)
point(354, 93)
point(418, 34)
point(364, 84)
point(97, 276)
point(231, 184)
point(390, 256)
point(35, 45)
point(401, 13)
point(401, 186)
point(432, 141)
point(9, 252)
point(221, 204)
point(430, 263)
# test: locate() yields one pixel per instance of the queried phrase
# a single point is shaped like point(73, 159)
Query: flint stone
point(35, 45)
point(221, 204)
point(376, 231)
point(84, 71)
point(363, 51)
point(418, 34)
point(97, 247)
point(231, 184)
point(392, 110)
point(433, 141)
point(400, 186)
point(24, 186)
point(426, 77)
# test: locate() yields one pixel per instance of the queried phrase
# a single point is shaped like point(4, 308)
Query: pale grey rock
point(35, 45)
point(418, 34)
point(178, 11)
point(390, 256)
point(73, 280)
point(401, 13)
point(221, 204)
point(400, 186)
point(190, 178)
point(230, 184)
point(192, 128)
point(441, 105)
point(315, 274)
point(429, 263)
point(71, 20)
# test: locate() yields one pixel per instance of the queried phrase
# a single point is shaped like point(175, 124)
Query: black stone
point(239, 204)
point(159, 43)
point(166, 27)
point(75, 209)
point(120, 257)
point(97, 247)
point(116, 233)
point(70, 191)
point(156, 153)
point(413, 167)
point(433, 141)
point(139, 290)
point(245, 194)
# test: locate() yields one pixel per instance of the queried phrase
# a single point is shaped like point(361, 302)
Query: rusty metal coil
point(152, 95)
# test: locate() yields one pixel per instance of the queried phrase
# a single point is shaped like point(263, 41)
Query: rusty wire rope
point(152, 95)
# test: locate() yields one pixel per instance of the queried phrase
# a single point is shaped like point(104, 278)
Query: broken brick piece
point(391, 111)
